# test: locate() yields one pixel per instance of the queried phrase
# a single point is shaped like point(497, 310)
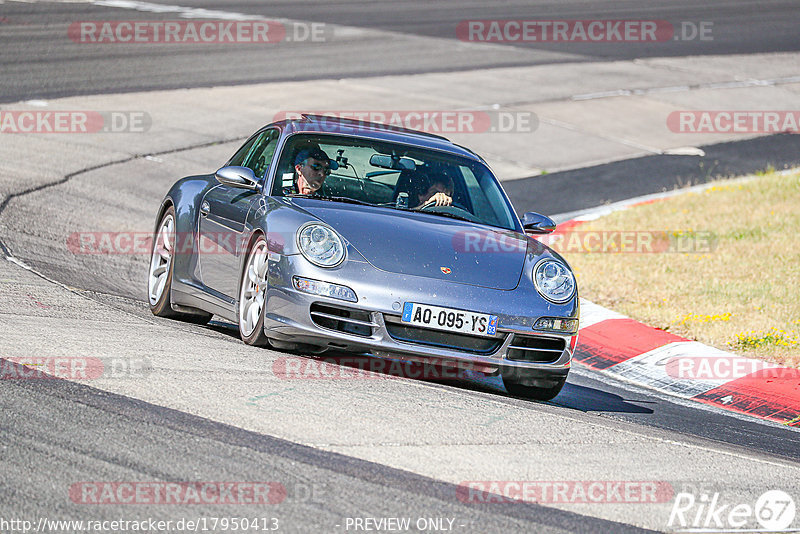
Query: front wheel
point(162, 265)
point(253, 295)
point(543, 389)
point(253, 302)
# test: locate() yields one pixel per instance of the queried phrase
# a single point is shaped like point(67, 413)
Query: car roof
point(322, 124)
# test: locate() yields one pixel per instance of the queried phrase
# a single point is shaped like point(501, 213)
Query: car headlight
point(320, 244)
point(554, 281)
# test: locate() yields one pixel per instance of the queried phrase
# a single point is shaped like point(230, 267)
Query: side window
point(480, 202)
point(242, 153)
point(285, 176)
point(260, 155)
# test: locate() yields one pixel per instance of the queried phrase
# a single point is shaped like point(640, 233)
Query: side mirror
point(242, 177)
point(535, 223)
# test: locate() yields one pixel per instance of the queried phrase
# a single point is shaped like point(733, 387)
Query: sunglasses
point(317, 167)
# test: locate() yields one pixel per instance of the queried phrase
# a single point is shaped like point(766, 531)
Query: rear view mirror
point(395, 163)
point(535, 223)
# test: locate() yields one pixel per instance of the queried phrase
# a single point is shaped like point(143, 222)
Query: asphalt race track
point(208, 408)
point(382, 38)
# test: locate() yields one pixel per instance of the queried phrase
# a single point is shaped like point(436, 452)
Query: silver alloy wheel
point(161, 259)
point(254, 289)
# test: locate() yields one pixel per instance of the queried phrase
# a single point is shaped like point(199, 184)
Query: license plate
point(438, 318)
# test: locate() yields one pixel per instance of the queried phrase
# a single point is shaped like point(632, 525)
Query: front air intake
point(535, 349)
point(341, 319)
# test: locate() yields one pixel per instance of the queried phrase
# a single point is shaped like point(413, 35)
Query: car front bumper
point(381, 296)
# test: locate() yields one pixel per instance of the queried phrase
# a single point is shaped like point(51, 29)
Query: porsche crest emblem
point(446, 270)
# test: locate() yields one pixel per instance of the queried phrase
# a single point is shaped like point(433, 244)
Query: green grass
point(742, 294)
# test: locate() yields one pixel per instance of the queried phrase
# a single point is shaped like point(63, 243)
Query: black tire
point(287, 346)
point(545, 392)
point(159, 299)
point(256, 337)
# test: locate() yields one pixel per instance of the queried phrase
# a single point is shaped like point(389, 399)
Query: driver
point(311, 167)
point(436, 190)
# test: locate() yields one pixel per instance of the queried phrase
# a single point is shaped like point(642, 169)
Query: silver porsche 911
point(329, 234)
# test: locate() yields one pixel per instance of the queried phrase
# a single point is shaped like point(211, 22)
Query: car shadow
point(350, 365)
point(589, 399)
point(223, 327)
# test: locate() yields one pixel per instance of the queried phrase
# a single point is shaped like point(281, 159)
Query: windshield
point(390, 175)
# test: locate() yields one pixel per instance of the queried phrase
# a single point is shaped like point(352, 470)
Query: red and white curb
point(622, 347)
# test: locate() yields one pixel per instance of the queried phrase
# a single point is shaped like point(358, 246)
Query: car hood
point(427, 245)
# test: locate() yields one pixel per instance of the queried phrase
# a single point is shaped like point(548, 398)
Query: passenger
point(311, 167)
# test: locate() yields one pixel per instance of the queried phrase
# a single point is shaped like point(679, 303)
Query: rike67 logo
point(773, 511)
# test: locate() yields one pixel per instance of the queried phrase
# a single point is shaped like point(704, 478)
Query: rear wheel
point(162, 265)
point(543, 389)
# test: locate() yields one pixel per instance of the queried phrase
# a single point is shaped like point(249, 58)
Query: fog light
point(315, 287)
point(556, 324)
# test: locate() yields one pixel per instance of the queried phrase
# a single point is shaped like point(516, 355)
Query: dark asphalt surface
point(39, 60)
point(79, 433)
point(620, 180)
point(586, 391)
point(55, 433)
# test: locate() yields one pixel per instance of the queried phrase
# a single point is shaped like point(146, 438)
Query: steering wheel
point(453, 209)
point(431, 205)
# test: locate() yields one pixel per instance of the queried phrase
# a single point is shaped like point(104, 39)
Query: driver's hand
point(439, 199)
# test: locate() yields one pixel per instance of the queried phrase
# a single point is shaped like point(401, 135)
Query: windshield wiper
point(347, 200)
point(451, 215)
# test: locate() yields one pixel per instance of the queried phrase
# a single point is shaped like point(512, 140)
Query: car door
point(223, 216)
